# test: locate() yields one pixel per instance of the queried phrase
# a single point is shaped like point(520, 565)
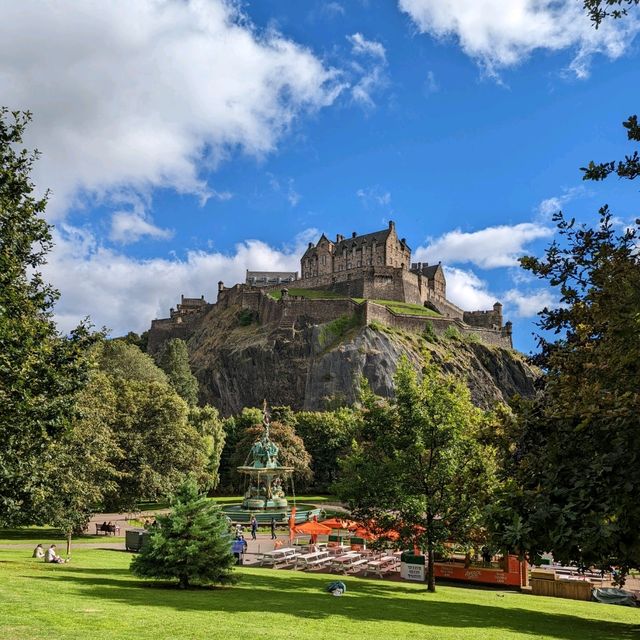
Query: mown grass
point(311, 294)
point(96, 596)
point(405, 308)
point(48, 536)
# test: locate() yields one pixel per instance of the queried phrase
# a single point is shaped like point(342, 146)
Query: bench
point(354, 565)
point(113, 530)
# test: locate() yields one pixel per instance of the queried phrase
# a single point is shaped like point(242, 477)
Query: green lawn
point(313, 294)
point(404, 308)
point(47, 536)
point(95, 596)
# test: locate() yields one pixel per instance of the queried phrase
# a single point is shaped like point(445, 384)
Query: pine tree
point(192, 543)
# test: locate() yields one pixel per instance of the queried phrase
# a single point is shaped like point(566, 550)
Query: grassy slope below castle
point(401, 308)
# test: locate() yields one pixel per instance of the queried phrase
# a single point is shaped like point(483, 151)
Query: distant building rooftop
point(269, 278)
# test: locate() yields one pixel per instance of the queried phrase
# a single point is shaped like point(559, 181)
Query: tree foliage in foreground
point(599, 10)
point(574, 458)
point(41, 372)
point(191, 544)
point(417, 467)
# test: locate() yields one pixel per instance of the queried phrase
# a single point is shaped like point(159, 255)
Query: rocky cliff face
point(239, 362)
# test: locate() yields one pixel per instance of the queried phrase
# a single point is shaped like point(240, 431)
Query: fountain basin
point(238, 513)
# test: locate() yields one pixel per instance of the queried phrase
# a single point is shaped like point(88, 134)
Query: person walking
point(254, 527)
point(273, 528)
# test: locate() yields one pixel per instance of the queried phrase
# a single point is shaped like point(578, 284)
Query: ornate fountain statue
point(265, 489)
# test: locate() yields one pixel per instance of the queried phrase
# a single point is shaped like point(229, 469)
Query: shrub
point(452, 333)
point(429, 333)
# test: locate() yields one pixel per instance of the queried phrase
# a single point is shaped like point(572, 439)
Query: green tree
point(40, 371)
point(573, 453)
point(151, 425)
point(124, 360)
point(292, 452)
point(207, 423)
point(191, 544)
point(417, 467)
point(82, 466)
point(173, 359)
point(327, 436)
point(162, 438)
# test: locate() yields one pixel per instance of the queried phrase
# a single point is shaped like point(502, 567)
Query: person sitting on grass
point(38, 552)
point(52, 556)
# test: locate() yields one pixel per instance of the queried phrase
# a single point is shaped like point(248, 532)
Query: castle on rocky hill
point(375, 267)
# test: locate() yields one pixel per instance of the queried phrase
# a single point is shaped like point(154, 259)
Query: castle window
point(359, 263)
point(379, 259)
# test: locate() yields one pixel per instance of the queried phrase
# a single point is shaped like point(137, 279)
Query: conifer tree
point(192, 543)
point(174, 361)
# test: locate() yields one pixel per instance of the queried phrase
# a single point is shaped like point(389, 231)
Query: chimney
point(220, 286)
point(310, 245)
point(392, 225)
point(339, 238)
point(353, 234)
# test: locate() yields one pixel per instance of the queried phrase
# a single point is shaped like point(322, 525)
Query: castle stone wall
point(416, 324)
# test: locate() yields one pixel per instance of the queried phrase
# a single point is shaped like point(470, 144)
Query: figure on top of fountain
point(264, 452)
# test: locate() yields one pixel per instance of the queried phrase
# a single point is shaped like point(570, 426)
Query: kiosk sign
point(412, 567)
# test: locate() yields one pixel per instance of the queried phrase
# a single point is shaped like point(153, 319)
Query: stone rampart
point(373, 312)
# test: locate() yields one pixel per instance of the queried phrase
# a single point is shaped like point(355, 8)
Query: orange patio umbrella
point(314, 529)
point(337, 523)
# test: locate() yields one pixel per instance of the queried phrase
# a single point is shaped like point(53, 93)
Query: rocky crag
point(240, 359)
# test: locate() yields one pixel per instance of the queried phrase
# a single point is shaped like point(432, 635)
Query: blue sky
point(187, 141)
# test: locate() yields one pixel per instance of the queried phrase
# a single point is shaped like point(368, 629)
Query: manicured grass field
point(95, 596)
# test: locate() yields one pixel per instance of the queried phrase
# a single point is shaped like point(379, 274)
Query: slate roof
point(380, 237)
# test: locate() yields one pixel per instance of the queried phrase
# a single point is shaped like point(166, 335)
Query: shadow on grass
point(30, 533)
point(302, 596)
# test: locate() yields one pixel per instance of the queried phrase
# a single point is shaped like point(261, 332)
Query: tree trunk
point(184, 582)
point(431, 577)
point(68, 543)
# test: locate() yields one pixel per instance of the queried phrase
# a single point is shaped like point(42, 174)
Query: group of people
point(50, 555)
point(108, 527)
point(254, 528)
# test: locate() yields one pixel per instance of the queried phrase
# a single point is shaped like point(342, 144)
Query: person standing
point(273, 528)
point(254, 527)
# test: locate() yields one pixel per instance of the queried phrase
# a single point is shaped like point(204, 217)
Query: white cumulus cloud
point(528, 303)
point(140, 95)
point(502, 33)
point(467, 290)
point(125, 293)
point(130, 226)
point(488, 248)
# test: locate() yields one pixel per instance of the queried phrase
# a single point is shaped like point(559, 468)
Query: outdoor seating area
point(338, 558)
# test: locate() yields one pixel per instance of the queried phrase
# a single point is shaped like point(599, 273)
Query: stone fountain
point(265, 496)
point(265, 474)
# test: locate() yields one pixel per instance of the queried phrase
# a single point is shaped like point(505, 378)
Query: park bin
point(135, 539)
